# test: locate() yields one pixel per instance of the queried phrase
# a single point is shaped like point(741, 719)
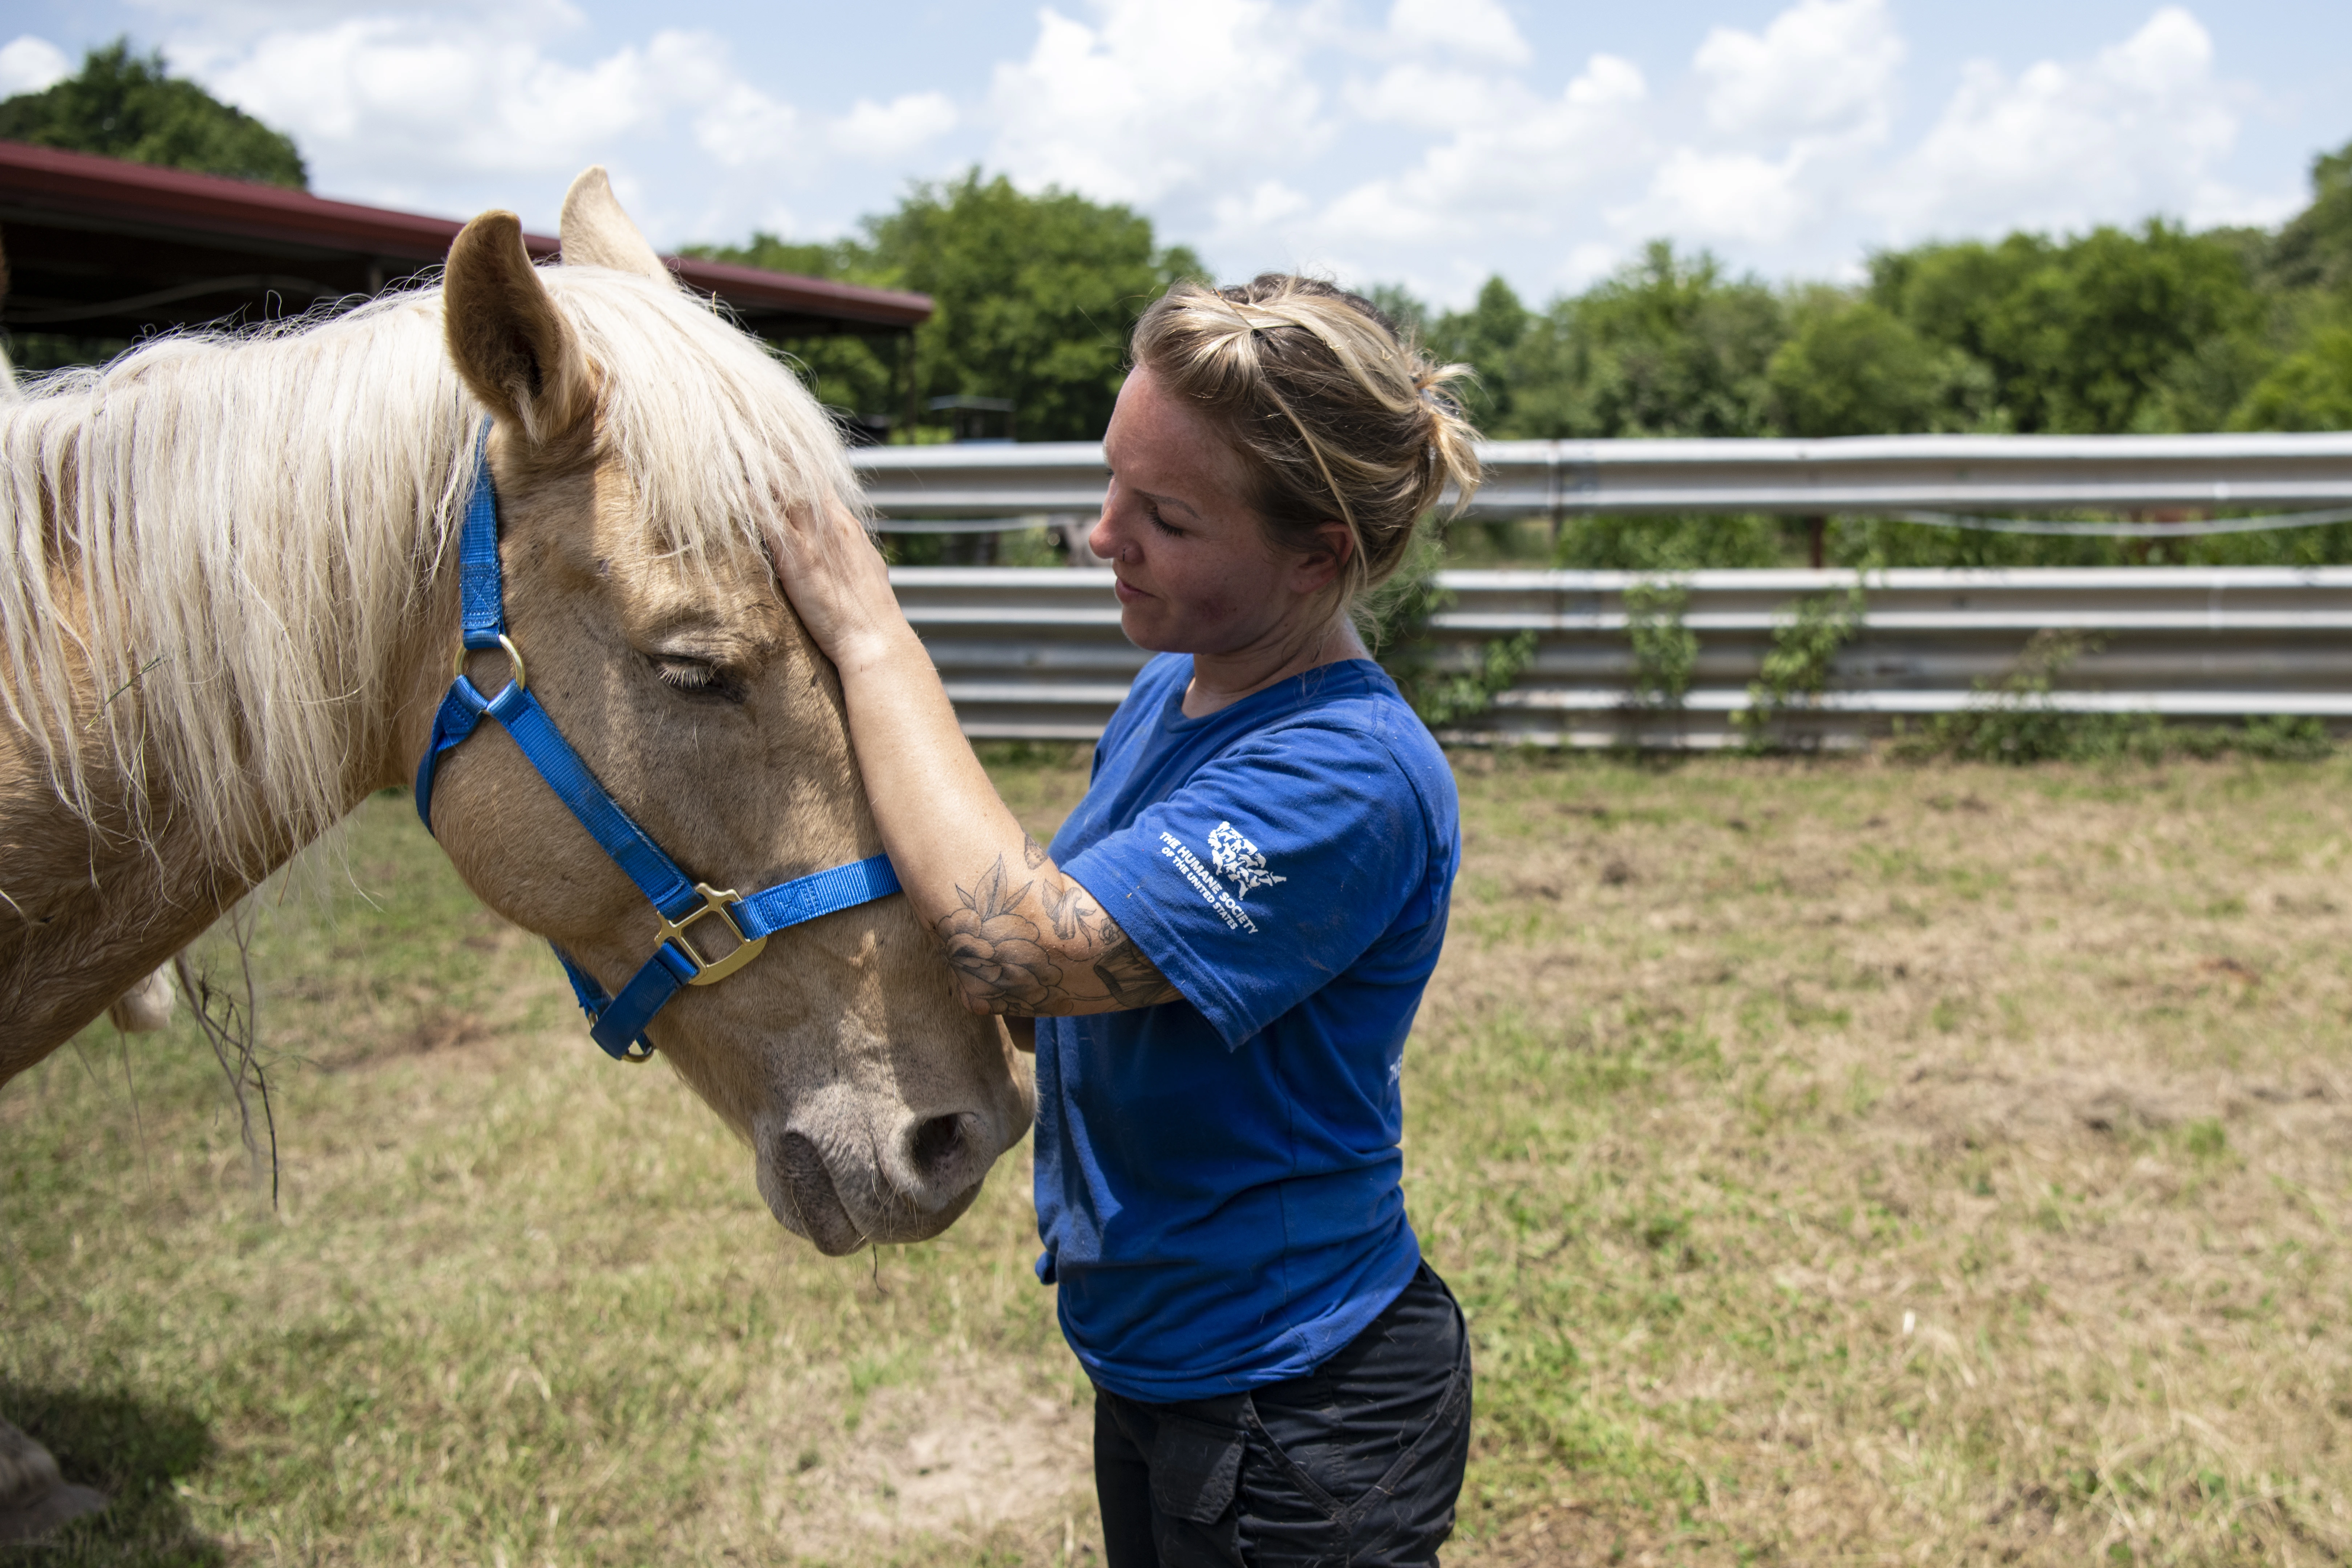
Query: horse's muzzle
point(907, 1186)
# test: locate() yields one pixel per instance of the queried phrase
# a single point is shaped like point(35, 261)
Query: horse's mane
point(231, 533)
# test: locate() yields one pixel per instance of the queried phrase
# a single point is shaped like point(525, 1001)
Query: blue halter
point(617, 1023)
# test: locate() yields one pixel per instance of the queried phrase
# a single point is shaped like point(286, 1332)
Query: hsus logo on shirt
point(1235, 856)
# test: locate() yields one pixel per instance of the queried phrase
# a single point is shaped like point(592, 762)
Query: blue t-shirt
point(1217, 1177)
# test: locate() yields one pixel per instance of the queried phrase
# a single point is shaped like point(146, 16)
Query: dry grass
point(1838, 1161)
point(1851, 1162)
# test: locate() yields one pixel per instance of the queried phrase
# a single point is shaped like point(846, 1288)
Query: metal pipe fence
point(1037, 653)
point(1872, 474)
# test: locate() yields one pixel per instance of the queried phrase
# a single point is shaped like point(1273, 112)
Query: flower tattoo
point(1002, 954)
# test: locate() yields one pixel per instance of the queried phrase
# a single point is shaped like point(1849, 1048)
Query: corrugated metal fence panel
point(1038, 653)
point(1862, 474)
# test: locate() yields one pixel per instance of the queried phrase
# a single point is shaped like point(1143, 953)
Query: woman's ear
point(1318, 567)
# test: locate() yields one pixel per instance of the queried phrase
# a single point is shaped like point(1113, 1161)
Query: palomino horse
point(229, 618)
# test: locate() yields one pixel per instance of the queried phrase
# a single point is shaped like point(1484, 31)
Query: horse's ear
point(509, 344)
point(597, 233)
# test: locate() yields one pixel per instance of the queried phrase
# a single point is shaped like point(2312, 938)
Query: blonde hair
point(231, 533)
point(1337, 416)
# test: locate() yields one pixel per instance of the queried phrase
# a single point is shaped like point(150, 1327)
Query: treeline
point(1033, 297)
point(2114, 331)
point(2152, 330)
point(2111, 332)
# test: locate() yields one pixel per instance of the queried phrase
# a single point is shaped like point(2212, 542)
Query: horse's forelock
point(715, 433)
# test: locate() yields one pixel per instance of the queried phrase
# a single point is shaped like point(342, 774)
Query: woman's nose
point(1102, 538)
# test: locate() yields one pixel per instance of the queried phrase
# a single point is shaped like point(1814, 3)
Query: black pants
point(1357, 1463)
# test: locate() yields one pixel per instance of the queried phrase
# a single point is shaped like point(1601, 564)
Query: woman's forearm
point(1023, 938)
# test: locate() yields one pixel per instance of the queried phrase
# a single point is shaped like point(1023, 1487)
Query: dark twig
point(137, 676)
point(228, 1023)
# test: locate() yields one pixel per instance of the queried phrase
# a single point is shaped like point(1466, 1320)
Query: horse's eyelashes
point(696, 676)
point(685, 674)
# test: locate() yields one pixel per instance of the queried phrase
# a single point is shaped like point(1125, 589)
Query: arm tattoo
point(1132, 980)
point(999, 950)
point(1031, 852)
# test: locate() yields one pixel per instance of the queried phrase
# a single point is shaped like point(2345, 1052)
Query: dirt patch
point(967, 1451)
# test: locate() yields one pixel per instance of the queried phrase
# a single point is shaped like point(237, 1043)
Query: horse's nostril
point(935, 1142)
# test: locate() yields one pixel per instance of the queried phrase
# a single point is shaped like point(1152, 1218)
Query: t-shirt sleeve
point(1271, 871)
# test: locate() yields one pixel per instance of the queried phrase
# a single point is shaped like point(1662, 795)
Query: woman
point(1225, 946)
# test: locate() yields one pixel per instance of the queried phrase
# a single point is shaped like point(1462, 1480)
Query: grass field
point(1839, 1161)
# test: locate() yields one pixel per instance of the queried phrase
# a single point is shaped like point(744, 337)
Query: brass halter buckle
point(714, 902)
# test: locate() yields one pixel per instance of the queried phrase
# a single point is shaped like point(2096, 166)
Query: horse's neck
point(91, 903)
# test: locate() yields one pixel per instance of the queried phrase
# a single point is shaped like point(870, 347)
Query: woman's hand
point(838, 583)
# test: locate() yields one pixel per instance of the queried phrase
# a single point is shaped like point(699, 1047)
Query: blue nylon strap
point(460, 710)
point(589, 994)
point(655, 873)
point(624, 1023)
point(618, 1022)
point(478, 582)
point(820, 893)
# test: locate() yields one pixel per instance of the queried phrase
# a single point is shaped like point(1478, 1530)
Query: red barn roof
point(99, 247)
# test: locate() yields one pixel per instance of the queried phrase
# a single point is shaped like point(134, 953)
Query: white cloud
point(1822, 67)
point(2141, 128)
point(456, 112)
point(28, 64)
point(1719, 195)
point(1418, 140)
point(1474, 29)
point(886, 133)
point(1141, 109)
point(1424, 97)
point(1518, 165)
point(384, 93)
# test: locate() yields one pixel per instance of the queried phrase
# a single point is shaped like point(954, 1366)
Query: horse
point(235, 590)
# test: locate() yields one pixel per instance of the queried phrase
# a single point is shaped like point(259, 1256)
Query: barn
point(101, 251)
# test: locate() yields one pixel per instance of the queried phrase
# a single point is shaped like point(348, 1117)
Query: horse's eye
point(685, 674)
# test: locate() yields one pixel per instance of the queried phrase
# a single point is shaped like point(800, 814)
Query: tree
point(1667, 347)
point(2315, 249)
point(1486, 338)
point(1032, 299)
point(2311, 390)
point(1854, 368)
point(123, 105)
point(2094, 335)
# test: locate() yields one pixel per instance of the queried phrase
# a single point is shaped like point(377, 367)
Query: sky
point(1426, 142)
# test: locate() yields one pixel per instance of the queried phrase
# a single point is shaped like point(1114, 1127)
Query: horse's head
point(639, 444)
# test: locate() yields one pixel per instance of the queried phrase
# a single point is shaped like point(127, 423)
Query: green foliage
point(1485, 337)
point(1448, 699)
point(1034, 296)
point(1796, 669)
point(1854, 368)
point(122, 105)
point(1667, 347)
point(1666, 651)
point(2084, 336)
point(2311, 390)
point(1675, 542)
point(1033, 301)
point(2015, 722)
point(2315, 249)
point(1394, 621)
